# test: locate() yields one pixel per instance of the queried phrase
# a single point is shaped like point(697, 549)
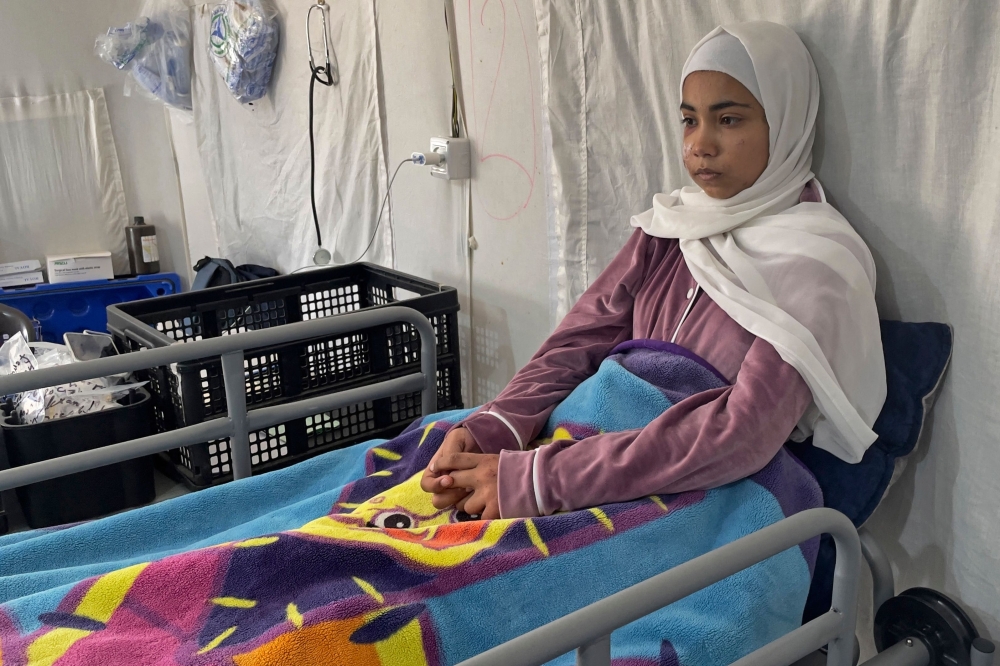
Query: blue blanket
point(301, 565)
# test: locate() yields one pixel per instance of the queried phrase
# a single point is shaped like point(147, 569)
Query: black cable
point(382, 209)
point(454, 91)
point(326, 78)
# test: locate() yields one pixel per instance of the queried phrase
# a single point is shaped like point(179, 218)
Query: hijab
point(793, 273)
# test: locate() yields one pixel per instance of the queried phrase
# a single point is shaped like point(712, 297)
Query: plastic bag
point(156, 49)
point(73, 399)
point(16, 356)
point(120, 46)
point(243, 45)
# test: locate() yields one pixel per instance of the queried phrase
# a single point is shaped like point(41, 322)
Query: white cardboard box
point(77, 267)
point(21, 279)
point(16, 267)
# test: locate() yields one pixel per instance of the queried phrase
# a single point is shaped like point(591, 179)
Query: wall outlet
point(457, 164)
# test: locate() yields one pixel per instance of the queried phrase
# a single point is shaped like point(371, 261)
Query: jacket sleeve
point(599, 321)
point(708, 440)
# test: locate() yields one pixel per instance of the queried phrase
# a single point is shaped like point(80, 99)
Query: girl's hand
point(477, 473)
point(436, 478)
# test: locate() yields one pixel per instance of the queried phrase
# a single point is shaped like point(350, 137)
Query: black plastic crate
point(194, 392)
point(287, 443)
point(88, 494)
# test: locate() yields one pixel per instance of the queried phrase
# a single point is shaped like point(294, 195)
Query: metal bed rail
point(588, 630)
point(239, 421)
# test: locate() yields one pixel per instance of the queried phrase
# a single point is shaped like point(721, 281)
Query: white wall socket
point(457, 163)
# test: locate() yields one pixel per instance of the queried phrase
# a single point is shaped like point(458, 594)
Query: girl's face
point(725, 134)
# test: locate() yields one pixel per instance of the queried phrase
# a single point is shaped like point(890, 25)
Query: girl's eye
point(687, 122)
point(730, 120)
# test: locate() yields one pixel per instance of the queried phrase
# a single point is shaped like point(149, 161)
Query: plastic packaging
point(120, 46)
point(243, 46)
point(156, 49)
point(91, 395)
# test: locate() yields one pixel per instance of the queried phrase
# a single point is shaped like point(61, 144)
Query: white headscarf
point(724, 53)
point(795, 274)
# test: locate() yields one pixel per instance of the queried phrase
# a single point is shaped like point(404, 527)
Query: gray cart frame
point(588, 630)
point(239, 422)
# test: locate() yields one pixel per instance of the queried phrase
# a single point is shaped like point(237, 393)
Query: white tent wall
point(509, 270)
point(47, 48)
point(256, 156)
point(907, 145)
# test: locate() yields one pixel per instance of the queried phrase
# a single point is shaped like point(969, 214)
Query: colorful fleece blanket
point(385, 578)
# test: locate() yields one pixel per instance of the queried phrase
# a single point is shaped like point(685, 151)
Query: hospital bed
point(917, 628)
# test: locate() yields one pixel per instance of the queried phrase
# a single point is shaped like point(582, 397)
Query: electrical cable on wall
point(455, 130)
point(409, 160)
point(458, 125)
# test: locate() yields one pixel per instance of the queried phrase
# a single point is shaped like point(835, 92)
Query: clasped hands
point(460, 475)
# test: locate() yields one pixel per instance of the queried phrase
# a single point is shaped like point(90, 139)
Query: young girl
point(751, 270)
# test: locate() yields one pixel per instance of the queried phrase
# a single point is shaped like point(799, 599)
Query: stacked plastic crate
point(193, 392)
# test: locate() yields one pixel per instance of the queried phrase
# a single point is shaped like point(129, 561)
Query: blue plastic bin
point(75, 306)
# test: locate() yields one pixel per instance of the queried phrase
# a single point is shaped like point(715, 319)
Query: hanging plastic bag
point(243, 45)
point(155, 49)
point(73, 399)
point(164, 68)
point(120, 46)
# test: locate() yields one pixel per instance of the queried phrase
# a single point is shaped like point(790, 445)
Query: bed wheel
point(930, 617)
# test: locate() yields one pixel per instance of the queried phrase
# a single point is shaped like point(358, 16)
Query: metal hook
point(321, 6)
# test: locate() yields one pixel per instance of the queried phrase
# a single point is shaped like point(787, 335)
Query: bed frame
point(588, 630)
point(239, 422)
point(830, 637)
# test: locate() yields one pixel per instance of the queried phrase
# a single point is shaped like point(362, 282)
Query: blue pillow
point(916, 357)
